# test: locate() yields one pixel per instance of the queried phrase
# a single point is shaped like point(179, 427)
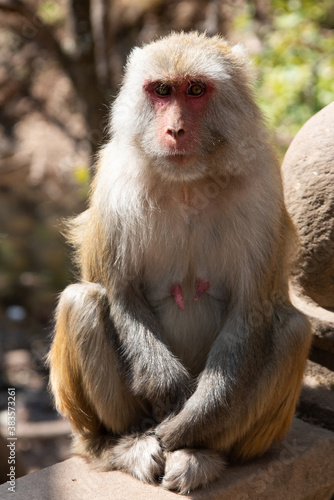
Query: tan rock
point(322, 323)
point(308, 172)
point(316, 403)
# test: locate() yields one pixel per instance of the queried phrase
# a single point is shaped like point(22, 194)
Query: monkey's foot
point(139, 455)
point(189, 469)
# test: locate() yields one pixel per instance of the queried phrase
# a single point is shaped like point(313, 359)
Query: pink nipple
point(176, 291)
point(201, 287)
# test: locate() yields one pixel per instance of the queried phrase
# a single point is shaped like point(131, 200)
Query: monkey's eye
point(196, 89)
point(163, 90)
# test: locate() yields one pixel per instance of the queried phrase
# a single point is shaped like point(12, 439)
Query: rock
point(316, 403)
point(322, 323)
point(308, 173)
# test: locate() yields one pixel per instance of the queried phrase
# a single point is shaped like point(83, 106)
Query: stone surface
point(300, 468)
point(308, 173)
point(316, 403)
point(322, 321)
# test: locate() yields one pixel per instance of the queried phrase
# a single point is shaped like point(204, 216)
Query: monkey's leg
point(275, 409)
point(85, 373)
point(246, 396)
point(85, 377)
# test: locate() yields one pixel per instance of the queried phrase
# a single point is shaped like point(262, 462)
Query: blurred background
point(60, 68)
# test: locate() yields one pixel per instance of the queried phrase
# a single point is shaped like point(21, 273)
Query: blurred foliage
point(296, 64)
point(51, 12)
point(82, 176)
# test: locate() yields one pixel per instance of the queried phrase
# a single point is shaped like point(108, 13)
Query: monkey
point(178, 350)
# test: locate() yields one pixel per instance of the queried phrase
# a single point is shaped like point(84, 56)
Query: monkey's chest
point(187, 294)
point(182, 272)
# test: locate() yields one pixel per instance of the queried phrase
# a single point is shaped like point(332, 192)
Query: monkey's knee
point(81, 304)
point(81, 314)
point(85, 291)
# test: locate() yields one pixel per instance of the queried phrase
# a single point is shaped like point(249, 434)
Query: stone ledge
point(322, 322)
point(301, 467)
point(316, 402)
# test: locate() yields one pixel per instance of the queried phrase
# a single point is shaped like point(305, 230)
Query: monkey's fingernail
point(176, 291)
point(201, 287)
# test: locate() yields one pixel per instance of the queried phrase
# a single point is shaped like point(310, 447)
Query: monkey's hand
point(188, 428)
point(160, 378)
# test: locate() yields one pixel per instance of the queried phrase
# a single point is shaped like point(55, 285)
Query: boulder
point(308, 174)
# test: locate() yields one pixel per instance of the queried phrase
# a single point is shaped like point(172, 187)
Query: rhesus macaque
point(179, 349)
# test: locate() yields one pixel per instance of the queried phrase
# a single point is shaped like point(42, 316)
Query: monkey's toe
point(139, 455)
point(190, 469)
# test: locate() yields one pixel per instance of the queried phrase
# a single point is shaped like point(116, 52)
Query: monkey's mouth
point(180, 158)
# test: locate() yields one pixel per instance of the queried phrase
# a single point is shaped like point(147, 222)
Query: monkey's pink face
point(179, 108)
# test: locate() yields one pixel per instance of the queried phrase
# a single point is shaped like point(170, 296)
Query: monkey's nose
point(176, 132)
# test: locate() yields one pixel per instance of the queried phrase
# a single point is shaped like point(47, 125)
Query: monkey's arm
point(252, 377)
point(152, 371)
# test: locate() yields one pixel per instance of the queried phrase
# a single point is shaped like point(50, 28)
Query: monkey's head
point(184, 99)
